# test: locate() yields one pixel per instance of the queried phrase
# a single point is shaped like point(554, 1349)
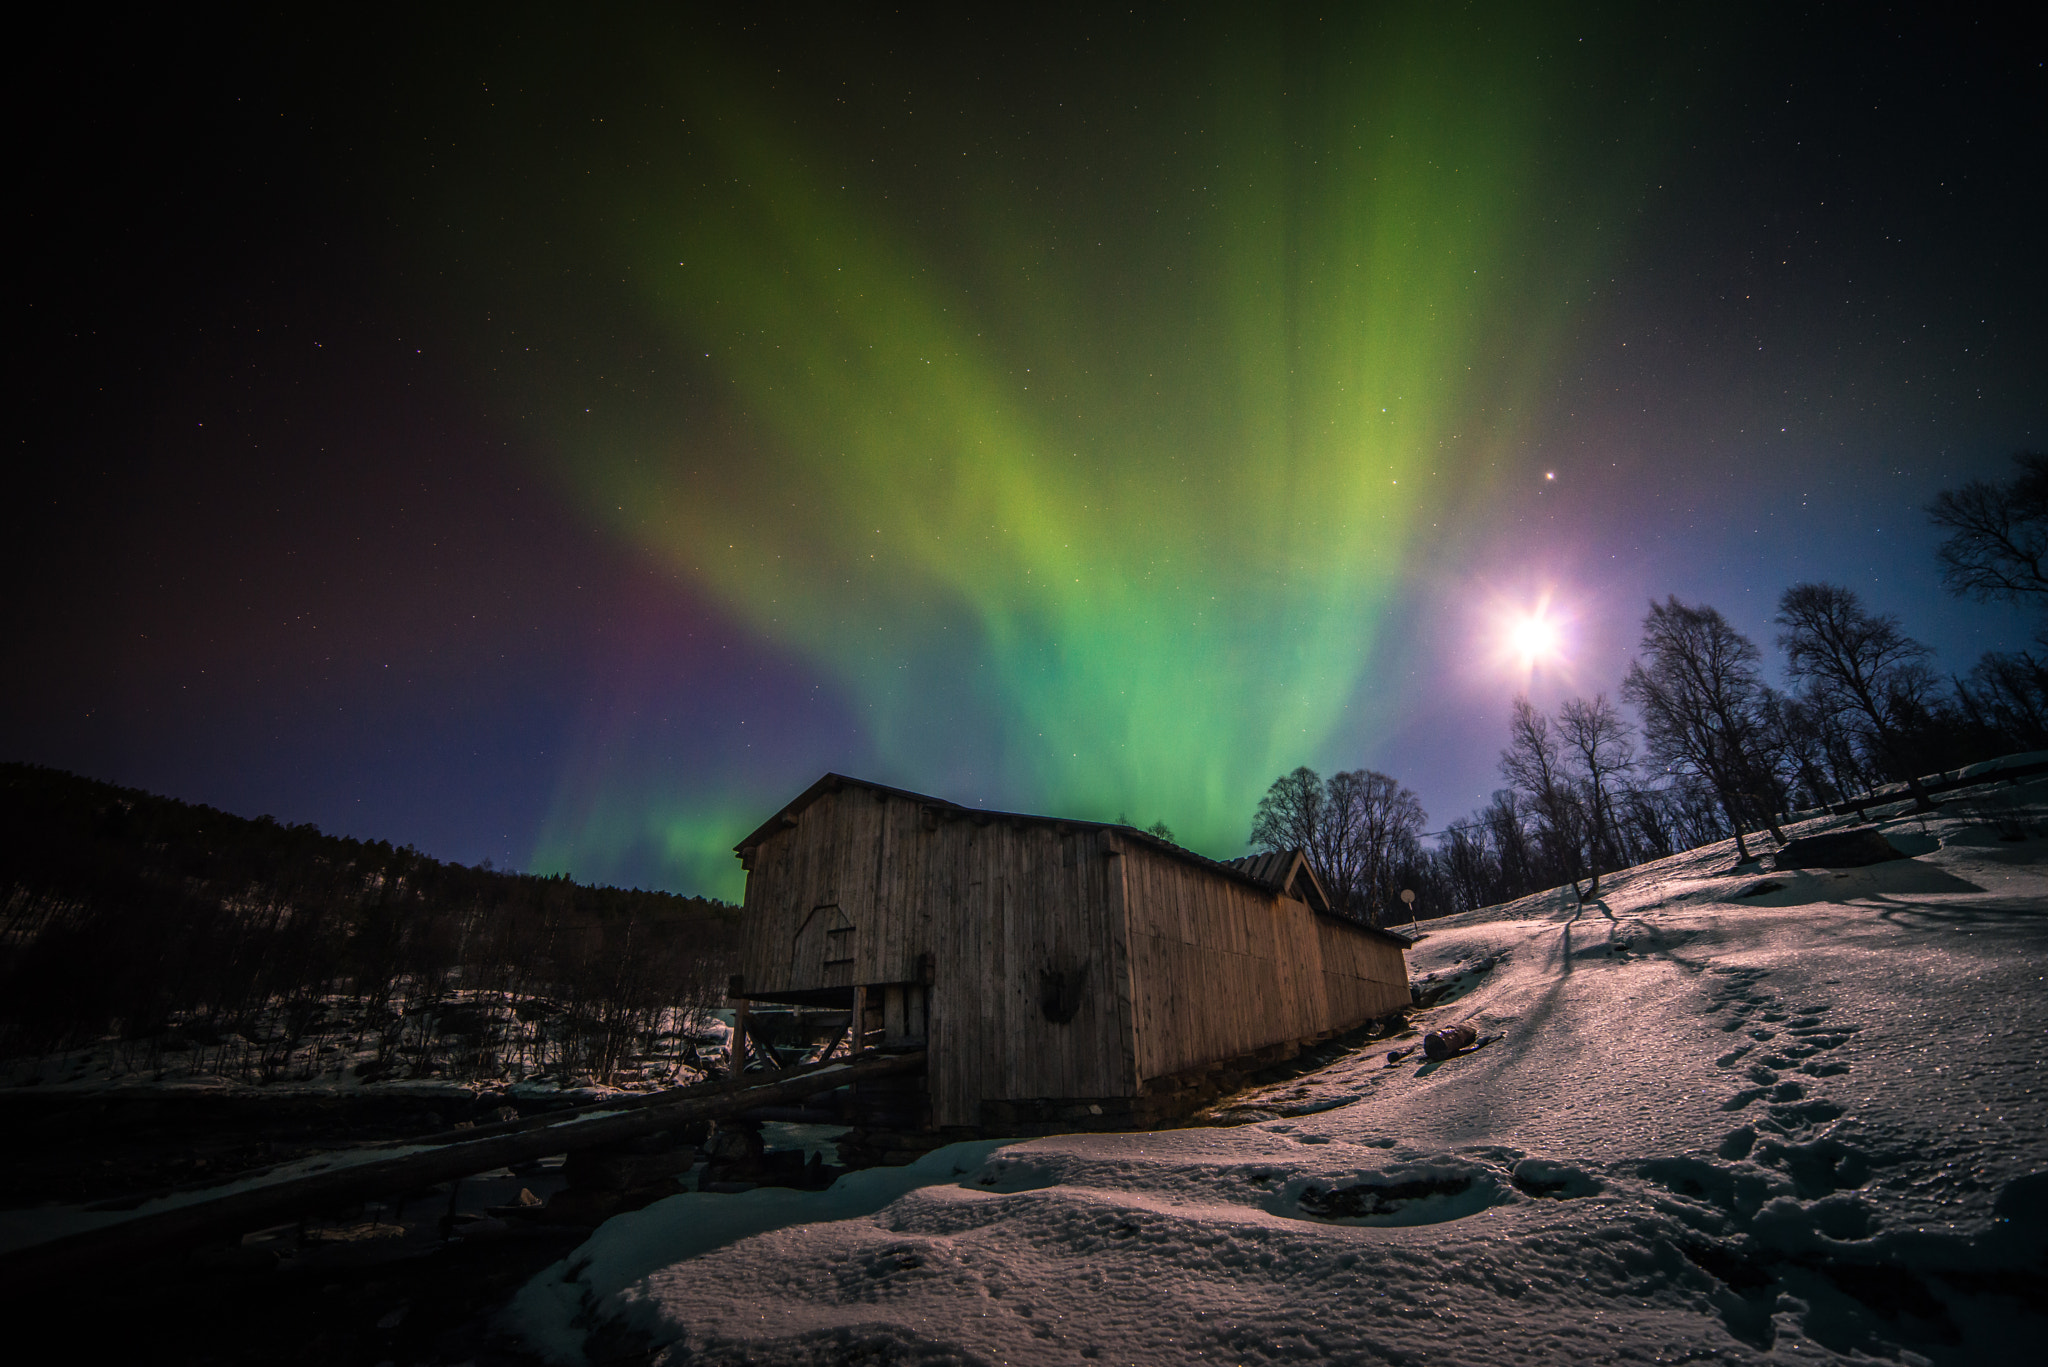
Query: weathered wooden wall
point(1364, 976)
point(1164, 965)
point(995, 905)
point(1220, 969)
point(804, 882)
point(1033, 901)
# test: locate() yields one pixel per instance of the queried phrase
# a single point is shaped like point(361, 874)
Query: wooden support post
point(859, 1025)
point(835, 1042)
point(768, 1053)
point(893, 1015)
point(736, 1059)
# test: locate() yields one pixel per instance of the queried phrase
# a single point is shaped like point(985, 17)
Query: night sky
point(559, 440)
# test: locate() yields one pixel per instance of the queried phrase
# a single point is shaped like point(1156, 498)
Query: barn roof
point(1287, 872)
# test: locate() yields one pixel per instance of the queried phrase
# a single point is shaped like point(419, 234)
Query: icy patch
point(1424, 1197)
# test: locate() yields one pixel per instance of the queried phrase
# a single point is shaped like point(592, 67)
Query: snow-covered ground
point(1723, 1114)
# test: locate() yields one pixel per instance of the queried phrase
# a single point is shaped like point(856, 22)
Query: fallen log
point(624, 1101)
point(445, 1156)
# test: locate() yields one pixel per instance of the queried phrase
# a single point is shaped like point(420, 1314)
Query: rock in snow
point(1805, 1125)
point(1837, 850)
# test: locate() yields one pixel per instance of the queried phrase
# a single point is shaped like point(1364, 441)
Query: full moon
point(1533, 639)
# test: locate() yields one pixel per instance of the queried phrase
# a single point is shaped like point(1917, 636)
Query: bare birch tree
point(1385, 836)
point(1700, 697)
point(1858, 666)
point(1998, 542)
point(1357, 829)
point(1534, 765)
point(1596, 740)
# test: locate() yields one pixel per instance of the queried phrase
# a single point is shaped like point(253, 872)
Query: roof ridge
point(833, 782)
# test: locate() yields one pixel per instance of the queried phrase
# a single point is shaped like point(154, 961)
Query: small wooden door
point(823, 951)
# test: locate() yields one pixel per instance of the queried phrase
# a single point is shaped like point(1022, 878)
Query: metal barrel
point(1449, 1040)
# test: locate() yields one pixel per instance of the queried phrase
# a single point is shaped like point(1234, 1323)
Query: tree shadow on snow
point(1808, 887)
point(2002, 914)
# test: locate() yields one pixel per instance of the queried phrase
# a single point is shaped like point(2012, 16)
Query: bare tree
point(1698, 816)
point(1998, 543)
point(1502, 818)
point(1808, 736)
point(1470, 870)
point(1858, 665)
point(1292, 816)
point(1998, 550)
point(1701, 698)
point(1338, 854)
point(1534, 765)
point(1647, 816)
point(1822, 752)
point(1597, 741)
point(1356, 829)
point(1384, 836)
point(2007, 696)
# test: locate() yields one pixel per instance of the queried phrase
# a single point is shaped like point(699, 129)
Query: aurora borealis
point(1125, 497)
point(1095, 417)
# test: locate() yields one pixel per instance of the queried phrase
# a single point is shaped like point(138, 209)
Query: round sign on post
point(1408, 896)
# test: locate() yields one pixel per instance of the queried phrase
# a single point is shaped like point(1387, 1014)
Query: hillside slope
point(145, 938)
point(1726, 1114)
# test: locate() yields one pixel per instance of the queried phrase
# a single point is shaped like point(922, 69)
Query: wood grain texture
point(1220, 969)
point(1064, 960)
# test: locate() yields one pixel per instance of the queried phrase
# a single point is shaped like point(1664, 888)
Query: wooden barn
point(1053, 970)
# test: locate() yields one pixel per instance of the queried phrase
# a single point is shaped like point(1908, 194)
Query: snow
point(1719, 1112)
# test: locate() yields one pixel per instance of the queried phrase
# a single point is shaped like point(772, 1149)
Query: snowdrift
point(1718, 1112)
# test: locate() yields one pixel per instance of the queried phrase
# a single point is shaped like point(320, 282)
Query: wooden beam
point(835, 1042)
point(736, 1052)
point(767, 1049)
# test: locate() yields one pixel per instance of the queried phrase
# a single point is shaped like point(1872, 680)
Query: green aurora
point(1092, 440)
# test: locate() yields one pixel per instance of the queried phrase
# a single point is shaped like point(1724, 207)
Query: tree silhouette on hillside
point(1998, 543)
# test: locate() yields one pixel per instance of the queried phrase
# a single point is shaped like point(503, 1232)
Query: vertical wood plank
point(1179, 967)
point(736, 1055)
